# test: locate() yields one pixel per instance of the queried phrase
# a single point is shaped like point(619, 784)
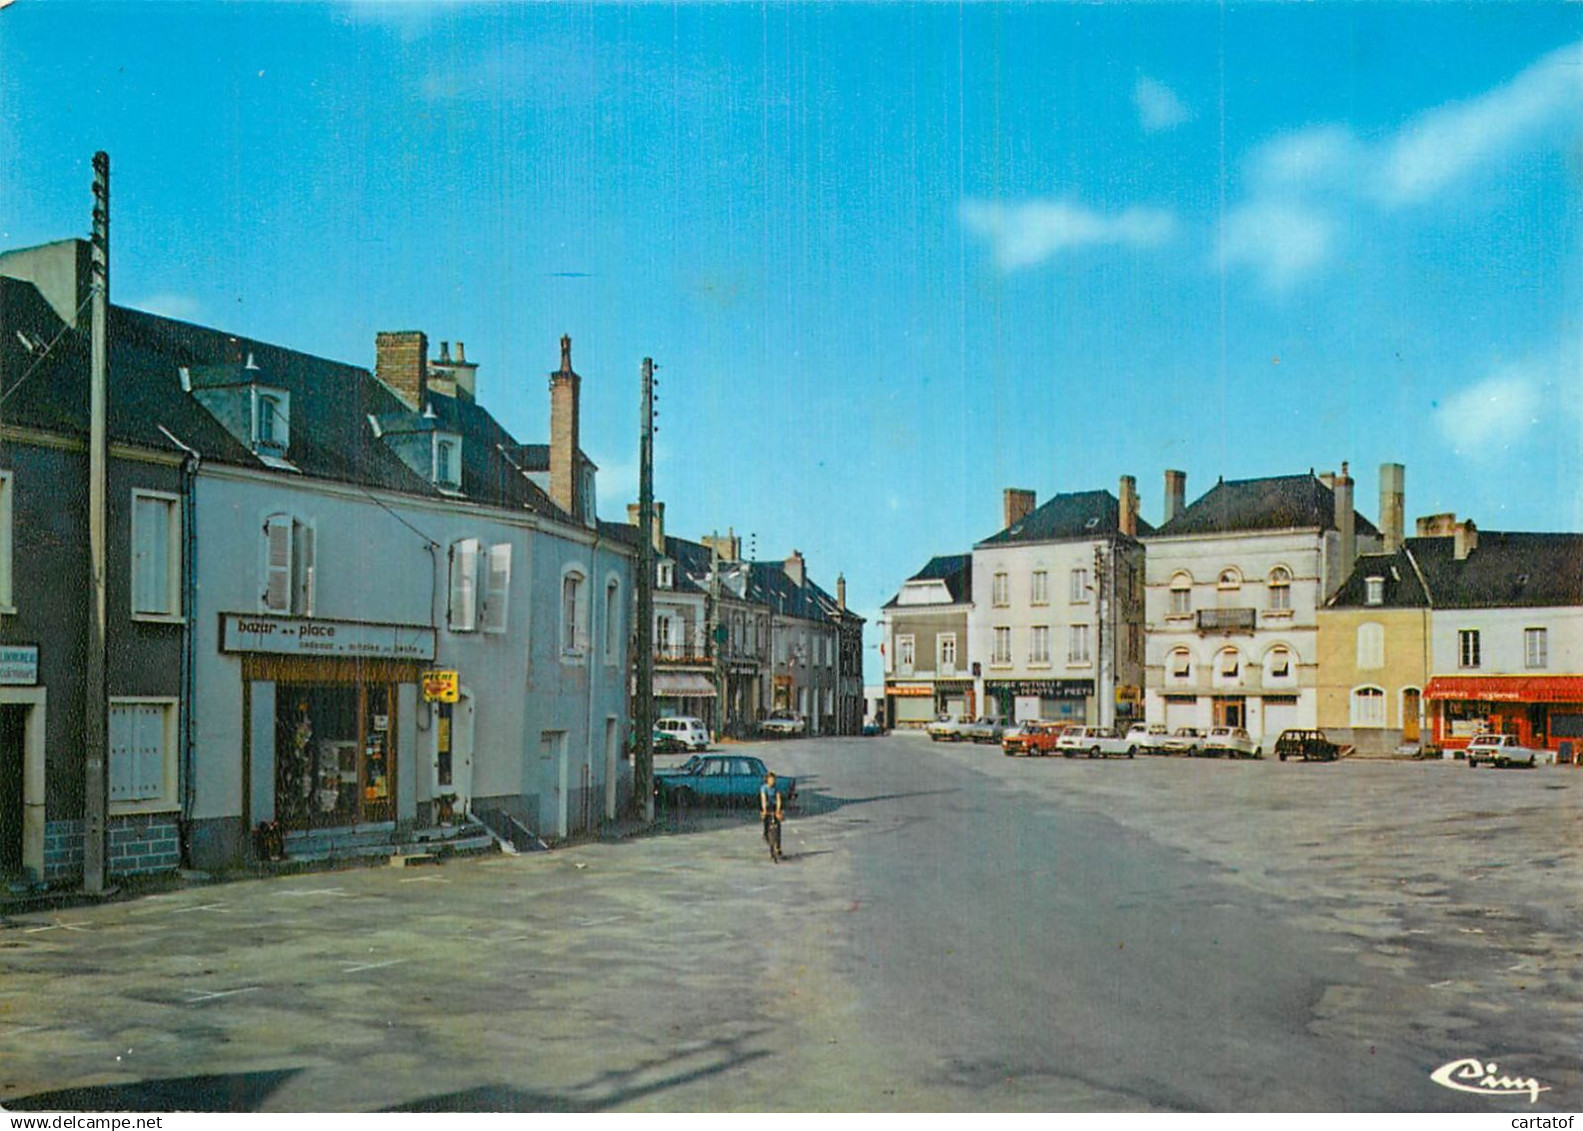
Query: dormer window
point(667, 575)
point(271, 421)
point(447, 460)
point(1374, 591)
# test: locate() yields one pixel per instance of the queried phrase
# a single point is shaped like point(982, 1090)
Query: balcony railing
point(681, 656)
point(1227, 620)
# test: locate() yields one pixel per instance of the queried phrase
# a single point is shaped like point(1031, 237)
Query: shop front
point(1053, 700)
point(1542, 711)
point(910, 704)
point(955, 697)
point(324, 740)
point(689, 694)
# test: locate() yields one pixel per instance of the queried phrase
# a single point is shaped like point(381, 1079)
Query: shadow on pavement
point(235, 1091)
point(604, 1092)
point(698, 817)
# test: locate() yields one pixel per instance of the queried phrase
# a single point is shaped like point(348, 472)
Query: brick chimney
point(796, 568)
point(565, 393)
point(1346, 522)
point(1175, 494)
point(657, 533)
point(1129, 506)
point(1393, 504)
point(1467, 540)
point(401, 361)
point(1017, 504)
point(1437, 525)
point(728, 548)
point(840, 590)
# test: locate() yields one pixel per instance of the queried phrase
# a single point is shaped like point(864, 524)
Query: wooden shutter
point(120, 745)
point(464, 585)
point(151, 556)
point(497, 592)
point(302, 599)
point(277, 564)
point(137, 752)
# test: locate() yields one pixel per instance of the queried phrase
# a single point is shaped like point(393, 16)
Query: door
point(1230, 712)
point(612, 753)
point(13, 786)
point(1411, 704)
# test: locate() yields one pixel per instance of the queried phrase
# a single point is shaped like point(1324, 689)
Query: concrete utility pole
point(717, 634)
point(96, 802)
point(643, 713)
point(1104, 691)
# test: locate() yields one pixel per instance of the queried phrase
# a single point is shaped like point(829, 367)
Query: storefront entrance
point(1231, 712)
point(13, 781)
point(335, 754)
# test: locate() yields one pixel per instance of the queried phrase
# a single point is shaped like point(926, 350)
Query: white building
point(1055, 626)
point(1234, 585)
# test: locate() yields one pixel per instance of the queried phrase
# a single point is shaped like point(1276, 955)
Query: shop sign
point(301, 636)
point(19, 665)
point(442, 687)
point(910, 690)
point(1043, 688)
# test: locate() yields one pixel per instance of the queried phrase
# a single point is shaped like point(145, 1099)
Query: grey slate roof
point(1505, 570)
point(956, 570)
point(1077, 515)
point(769, 584)
point(1402, 589)
point(1283, 502)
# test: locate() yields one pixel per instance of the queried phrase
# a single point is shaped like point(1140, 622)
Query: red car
point(1033, 739)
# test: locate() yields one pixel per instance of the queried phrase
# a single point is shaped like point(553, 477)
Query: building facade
point(925, 641)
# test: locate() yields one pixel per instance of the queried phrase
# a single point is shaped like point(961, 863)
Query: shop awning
point(910, 690)
point(683, 685)
point(1507, 688)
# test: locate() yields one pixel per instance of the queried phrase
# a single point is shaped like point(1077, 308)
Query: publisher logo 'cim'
point(1483, 1078)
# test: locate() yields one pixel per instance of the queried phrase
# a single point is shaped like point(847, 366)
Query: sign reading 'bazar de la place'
point(302, 636)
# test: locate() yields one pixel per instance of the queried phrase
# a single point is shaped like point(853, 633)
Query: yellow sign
point(441, 687)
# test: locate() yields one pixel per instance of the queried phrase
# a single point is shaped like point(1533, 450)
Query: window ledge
point(1039, 665)
point(158, 618)
point(7, 610)
point(1277, 614)
point(1080, 665)
point(141, 808)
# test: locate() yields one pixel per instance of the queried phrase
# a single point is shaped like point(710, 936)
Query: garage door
point(1279, 714)
point(914, 710)
point(1180, 711)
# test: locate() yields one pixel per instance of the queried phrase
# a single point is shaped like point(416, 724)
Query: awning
point(683, 685)
point(1507, 688)
point(910, 690)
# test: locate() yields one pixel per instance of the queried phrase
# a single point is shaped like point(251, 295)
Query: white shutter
point(148, 767)
point(497, 592)
point(302, 599)
point(121, 759)
point(464, 585)
point(151, 556)
point(277, 564)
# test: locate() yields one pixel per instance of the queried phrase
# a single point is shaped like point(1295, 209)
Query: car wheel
point(1132, 751)
point(1093, 752)
point(684, 797)
point(1282, 755)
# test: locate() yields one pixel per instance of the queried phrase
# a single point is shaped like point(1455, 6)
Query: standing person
point(770, 810)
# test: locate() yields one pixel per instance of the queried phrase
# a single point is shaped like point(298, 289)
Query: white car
point(1182, 740)
point(1233, 742)
point(1095, 742)
point(690, 732)
point(1503, 750)
point(945, 728)
point(783, 722)
point(1147, 737)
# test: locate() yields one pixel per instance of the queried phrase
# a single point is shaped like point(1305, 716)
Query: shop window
point(156, 555)
point(288, 569)
point(1371, 646)
point(142, 748)
point(1368, 707)
point(335, 753)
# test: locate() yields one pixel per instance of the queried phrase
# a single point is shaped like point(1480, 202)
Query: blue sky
point(891, 259)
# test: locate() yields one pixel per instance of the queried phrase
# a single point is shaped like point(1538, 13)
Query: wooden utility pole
point(643, 700)
point(95, 719)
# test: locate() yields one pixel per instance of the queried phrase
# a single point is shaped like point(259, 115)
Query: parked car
point(668, 743)
point(1503, 750)
point(1182, 740)
point(1147, 737)
point(945, 728)
point(982, 730)
point(1233, 742)
point(1013, 738)
point(1309, 745)
point(1040, 738)
point(689, 731)
point(783, 723)
point(723, 779)
point(1095, 742)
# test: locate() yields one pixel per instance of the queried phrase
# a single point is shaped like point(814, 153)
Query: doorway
point(334, 754)
point(1411, 705)
point(1231, 712)
point(13, 787)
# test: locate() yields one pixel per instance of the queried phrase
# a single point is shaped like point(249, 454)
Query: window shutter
point(497, 595)
point(302, 600)
point(121, 736)
point(148, 766)
point(277, 564)
point(464, 585)
point(151, 556)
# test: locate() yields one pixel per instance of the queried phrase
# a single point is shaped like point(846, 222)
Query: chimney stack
point(1129, 506)
point(840, 590)
point(1393, 504)
point(728, 548)
point(1437, 525)
point(401, 361)
point(1467, 540)
point(796, 568)
point(1017, 505)
point(657, 533)
point(1175, 494)
point(1346, 522)
point(565, 392)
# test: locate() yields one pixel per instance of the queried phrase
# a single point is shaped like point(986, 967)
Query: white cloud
point(1441, 145)
point(1282, 241)
point(1029, 232)
point(183, 308)
point(1483, 422)
point(1159, 108)
point(1318, 157)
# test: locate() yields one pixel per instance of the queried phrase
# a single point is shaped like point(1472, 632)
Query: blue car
point(720, 779)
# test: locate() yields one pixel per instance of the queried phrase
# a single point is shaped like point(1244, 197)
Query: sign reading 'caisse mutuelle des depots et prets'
point(303, 636)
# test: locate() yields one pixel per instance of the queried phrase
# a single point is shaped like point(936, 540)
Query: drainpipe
point(189, 597)
point(596, 660)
